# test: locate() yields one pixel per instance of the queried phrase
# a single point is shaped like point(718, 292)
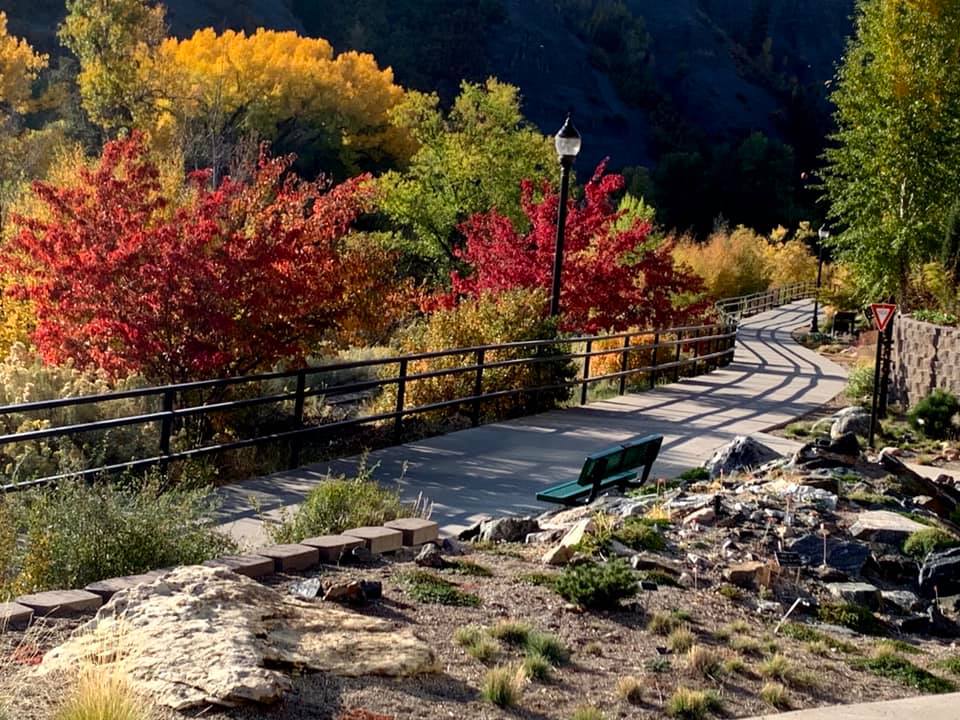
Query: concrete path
point(498, 468)
point(928, 707)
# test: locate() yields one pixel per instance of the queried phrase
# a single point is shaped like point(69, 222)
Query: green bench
point(622, 466)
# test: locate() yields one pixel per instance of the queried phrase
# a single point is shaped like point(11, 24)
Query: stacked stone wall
point(925, 357)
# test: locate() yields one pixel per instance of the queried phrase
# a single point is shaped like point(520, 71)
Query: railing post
point(401, 399)
point(478, 387)
point(676, 360)
point(297, 442)
point(624, 364)
point(166, 427)
point(653, 361)
point(586, 373)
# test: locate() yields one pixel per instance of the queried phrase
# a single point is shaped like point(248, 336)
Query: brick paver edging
point(294, 557)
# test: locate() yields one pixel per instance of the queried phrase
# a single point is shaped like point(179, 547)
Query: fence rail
point(692, 349)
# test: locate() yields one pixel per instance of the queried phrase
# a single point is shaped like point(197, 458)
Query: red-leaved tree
point(613, 277)
point(230, 280)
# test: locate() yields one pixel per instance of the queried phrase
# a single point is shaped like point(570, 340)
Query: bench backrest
point(602, 464)
point(639, 453)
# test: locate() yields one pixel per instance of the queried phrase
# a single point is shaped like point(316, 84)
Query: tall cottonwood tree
point(894, 168)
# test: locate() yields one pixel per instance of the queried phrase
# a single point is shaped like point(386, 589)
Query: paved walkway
point(928, 707)
point(499, 468)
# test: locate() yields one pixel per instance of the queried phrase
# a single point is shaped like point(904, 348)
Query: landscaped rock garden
point(827, 577)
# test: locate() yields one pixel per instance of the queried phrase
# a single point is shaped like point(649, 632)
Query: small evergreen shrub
point(890, 665)
point(640, 534)
point(937, 317)
point(855, 617)
point(598, 586)
point(503, 686)
point(923, 542)
point(339, 503)
point(936, 415)
point(423, 586)
point(694, 474)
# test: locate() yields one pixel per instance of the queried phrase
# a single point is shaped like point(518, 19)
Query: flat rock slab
point(252, 566)
point(416, 531)
point(107, 588)
point(292, 557)
point(14, 616)
point(857, 593)
point(61, 603)
point(884, 526)
point(332, 547)
point(378, 539)
point(205, 635)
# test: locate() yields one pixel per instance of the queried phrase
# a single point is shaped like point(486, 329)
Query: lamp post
point(567, 142)
point(824, 235)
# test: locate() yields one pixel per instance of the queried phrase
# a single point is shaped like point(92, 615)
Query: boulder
point(940, 574)
point(845, 444)
point(559, 555)
point(932, 622)
point(747, 574)
point(822, 454)
point(205, 635)
point(740, 454)
point(544, 536)
point(657, 563)
point(430, 556)
point(578, 533)
point(508, 529)
point(472, 532)
point(848, 557)
point(901, 601)
point(704, 516)
point(858, 593)
point(854, 420)
point(883, 526)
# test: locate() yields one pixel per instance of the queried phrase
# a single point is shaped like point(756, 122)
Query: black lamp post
point(567, 142)
point(824, 235)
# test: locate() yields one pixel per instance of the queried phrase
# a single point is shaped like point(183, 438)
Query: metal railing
point(673, 352)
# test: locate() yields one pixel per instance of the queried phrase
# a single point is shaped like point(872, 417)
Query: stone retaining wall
point(925, 357)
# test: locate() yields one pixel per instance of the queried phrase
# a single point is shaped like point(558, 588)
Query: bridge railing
point(162, 414)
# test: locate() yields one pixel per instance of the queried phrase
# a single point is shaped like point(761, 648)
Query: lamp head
point(567, 141)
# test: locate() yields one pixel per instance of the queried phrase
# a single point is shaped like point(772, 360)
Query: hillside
point(675, 86)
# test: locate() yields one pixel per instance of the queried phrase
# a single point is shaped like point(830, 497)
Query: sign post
point(882, 316)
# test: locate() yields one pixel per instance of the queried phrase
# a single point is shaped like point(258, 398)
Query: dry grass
point(775, 695)
point(680, 640)
point(661, 623)
point(503, 686)
point(688, 704)
point(630, 689)
point(103, 694)
point(703, 661)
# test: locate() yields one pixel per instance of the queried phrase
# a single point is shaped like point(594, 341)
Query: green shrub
point(503, 686)
point(937, 317)
point(688, 704)
point(936, 416)
point(466, 567)
point(640, 534)
point(598, 585)
point(855, 617)
point(952, 664)
point(425, 587)
point(74, 534)
point(541, 579)
point(895, 667)
point(339, 503)
point(694, 474)
point(923, 542)
point(860, 383)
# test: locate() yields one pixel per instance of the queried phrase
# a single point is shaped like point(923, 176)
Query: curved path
point(499, 468)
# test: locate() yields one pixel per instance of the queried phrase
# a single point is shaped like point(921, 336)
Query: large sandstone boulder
point(201, 635)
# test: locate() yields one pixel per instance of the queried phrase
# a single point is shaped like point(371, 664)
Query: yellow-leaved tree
point(217, 90)
point(19, 66)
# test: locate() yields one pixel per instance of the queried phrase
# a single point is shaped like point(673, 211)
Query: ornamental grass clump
point(339, 503)
point(688, 704)
point(103, 695)
point(503, 685)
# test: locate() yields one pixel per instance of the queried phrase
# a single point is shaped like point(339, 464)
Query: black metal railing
point(673, 353)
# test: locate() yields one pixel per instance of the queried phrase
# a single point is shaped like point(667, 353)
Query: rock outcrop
point(201, 635)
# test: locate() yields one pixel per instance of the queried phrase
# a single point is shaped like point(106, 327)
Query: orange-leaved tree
point(615, 276)
point(226, 281)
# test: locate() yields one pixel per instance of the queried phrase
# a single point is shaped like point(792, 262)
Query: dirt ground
point(605, 646)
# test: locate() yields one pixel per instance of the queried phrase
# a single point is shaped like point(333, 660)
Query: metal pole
point(815, 325)
point(565, 164)
point(876, 389)
point(887, 341)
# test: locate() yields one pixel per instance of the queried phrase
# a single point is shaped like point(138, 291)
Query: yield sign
point(882, 312)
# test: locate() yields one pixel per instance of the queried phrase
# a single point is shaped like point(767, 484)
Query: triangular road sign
point(882, 313)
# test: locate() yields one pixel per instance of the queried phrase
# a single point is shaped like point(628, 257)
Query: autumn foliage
point(230, 280)
point(614, 277)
